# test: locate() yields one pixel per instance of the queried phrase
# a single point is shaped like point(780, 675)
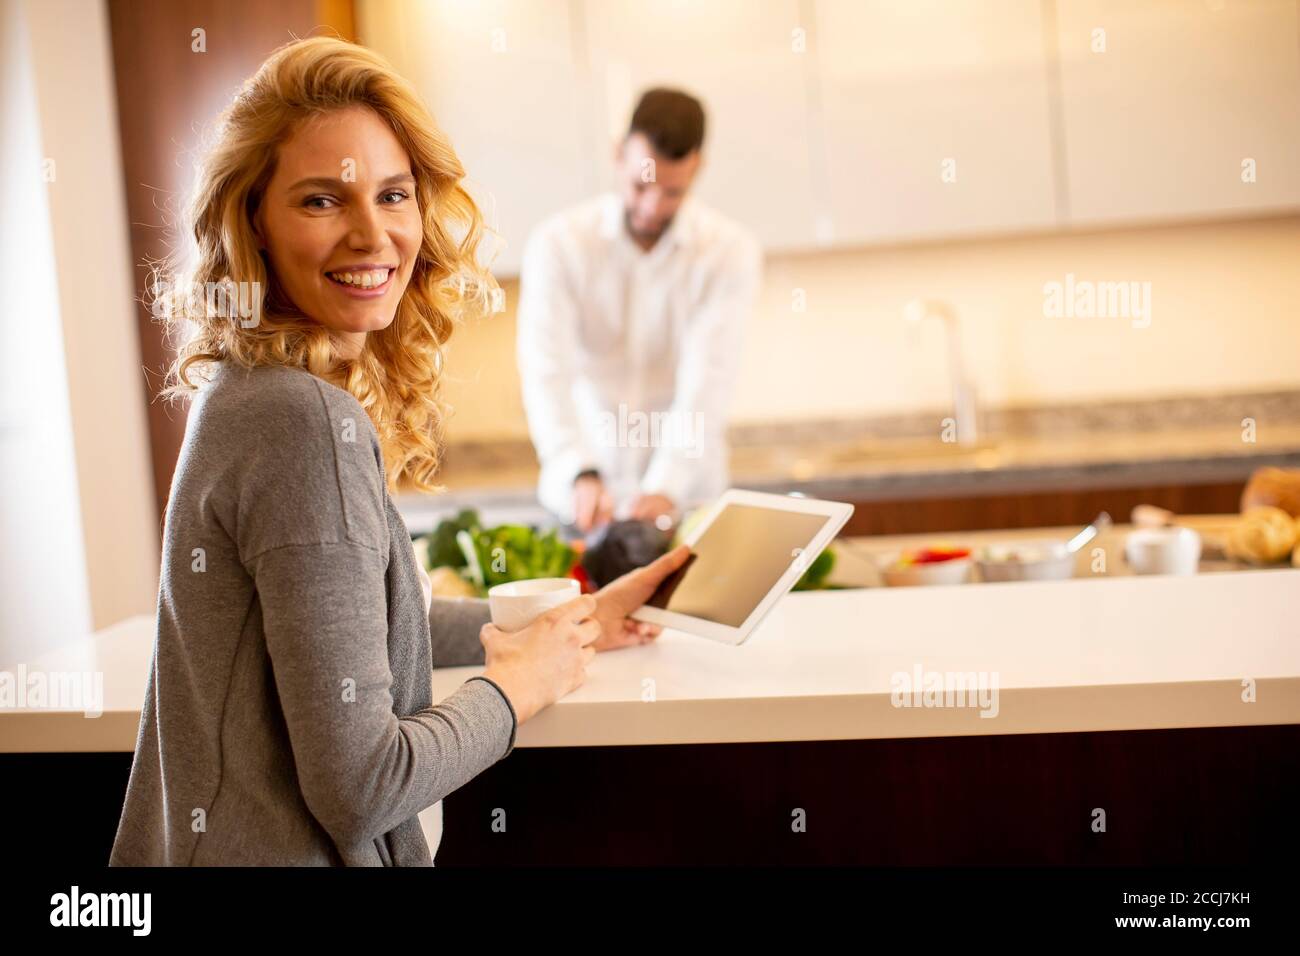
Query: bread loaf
point(1274, 487)
point(1263, 535)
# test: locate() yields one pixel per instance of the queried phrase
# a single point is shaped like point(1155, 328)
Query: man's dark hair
point(673, 121)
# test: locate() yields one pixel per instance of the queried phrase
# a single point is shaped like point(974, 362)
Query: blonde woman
point(288, 718)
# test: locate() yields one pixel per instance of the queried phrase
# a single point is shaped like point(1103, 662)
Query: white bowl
point(1041, 559)
point(953, 571)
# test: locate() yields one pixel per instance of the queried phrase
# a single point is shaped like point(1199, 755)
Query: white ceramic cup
point(1163, 551)
point(516, 604)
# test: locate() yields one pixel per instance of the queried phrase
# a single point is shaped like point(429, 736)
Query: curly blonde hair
point(396, 377)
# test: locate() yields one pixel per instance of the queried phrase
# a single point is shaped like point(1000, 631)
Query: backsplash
point(1184, 412)
point(1190, 412)
point(828, 342)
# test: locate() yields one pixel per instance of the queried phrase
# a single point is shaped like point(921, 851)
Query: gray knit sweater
point(288, 717)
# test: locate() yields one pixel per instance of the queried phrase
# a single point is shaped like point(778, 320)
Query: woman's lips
point(356, 288)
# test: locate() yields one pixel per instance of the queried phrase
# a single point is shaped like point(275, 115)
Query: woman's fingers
point(575, 610)
point(673, 560)
point(641, 631)
point(666, 564)
point(589, 631)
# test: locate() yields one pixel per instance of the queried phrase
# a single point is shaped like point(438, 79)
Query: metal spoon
point(1099, 523)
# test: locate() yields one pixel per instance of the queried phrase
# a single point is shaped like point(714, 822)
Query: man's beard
point(640, 234)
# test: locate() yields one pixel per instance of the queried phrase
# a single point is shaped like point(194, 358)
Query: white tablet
point(746, 553)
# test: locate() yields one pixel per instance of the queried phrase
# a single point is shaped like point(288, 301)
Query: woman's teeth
point(362, 280)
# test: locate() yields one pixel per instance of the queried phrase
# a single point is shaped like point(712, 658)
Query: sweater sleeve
point(312, 533)
point(363, 770)
point(454, 626)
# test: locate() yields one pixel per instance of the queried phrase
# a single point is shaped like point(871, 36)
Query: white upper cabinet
point(746, 62)
point(936, 117)
point(504, 81)
point(1165, 100)
point(845, 122)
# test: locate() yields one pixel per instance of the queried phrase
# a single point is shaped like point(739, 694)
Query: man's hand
point(619, 598)
point(592, 504)
point(650, 507)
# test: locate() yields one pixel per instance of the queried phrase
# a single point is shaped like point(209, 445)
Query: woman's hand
point(546, 660)
point(616, 600)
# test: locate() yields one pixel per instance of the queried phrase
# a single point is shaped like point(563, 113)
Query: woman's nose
point(365, 230)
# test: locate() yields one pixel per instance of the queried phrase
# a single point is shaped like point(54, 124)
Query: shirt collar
point(681, 232)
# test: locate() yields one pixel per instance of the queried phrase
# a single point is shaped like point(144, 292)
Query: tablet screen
point(735, 563)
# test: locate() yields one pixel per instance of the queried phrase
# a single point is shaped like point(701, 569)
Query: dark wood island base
point(1206, 796)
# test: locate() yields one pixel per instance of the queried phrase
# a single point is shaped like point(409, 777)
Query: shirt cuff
point(514, 718)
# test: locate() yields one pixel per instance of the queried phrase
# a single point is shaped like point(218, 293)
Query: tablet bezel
point(836, 512)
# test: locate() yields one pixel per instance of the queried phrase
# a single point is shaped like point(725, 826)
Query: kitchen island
point(1168, 709)
point(1063, 657)
point(685, 750)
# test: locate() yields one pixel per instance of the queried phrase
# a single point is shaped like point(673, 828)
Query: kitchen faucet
point(965, 405)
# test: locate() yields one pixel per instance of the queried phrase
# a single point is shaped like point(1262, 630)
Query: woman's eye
point(387, 197)
point(318, 202)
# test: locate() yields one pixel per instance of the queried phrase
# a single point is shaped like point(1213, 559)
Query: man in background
point(631, 315)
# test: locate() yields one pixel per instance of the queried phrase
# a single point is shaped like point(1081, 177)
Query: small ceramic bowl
point(1030, 560)
point(952, 571)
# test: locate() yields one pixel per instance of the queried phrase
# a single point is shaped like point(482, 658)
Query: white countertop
point(1123, 653)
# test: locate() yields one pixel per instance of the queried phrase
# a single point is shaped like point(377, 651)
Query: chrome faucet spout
point(965, 399)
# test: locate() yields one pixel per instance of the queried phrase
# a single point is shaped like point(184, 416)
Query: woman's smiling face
point(341, 223)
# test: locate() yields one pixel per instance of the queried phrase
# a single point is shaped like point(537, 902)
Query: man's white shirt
point(628, 358)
